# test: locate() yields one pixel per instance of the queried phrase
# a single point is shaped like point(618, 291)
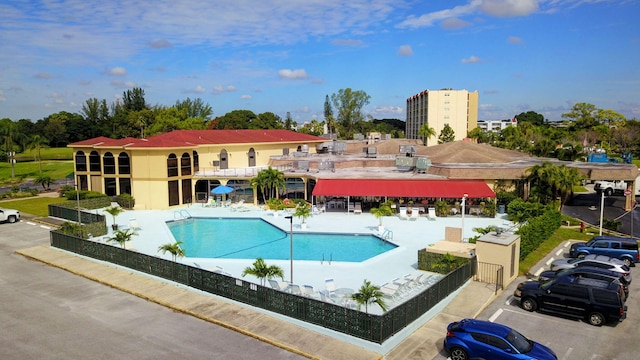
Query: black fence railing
point(491, 274)
point(373, 328)
point(69, 211)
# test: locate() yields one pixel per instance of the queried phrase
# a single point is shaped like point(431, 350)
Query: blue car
point(471, 339)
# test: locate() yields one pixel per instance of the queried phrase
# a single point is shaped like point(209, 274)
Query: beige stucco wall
point(500, 252)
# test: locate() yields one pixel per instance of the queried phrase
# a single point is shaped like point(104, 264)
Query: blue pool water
point(233, 238)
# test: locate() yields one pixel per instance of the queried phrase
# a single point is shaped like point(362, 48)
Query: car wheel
point(12, 219)
point(608, 192)
point(627, 262)
point(458, 353)
point(529, 304)
point(596, 319)
point(581, 255)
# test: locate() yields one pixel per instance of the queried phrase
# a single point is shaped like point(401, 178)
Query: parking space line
point(550, 261)
point(567, 243)
point(560, 251)
point(509, 300)
point(537, 273)
point(495, 315)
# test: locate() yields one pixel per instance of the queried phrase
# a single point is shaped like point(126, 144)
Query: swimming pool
point(250, 238)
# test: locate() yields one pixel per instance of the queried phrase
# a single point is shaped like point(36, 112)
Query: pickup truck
point(615, 187)
point(9, 215)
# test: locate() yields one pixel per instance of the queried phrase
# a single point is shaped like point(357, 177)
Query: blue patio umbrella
point(221, 190)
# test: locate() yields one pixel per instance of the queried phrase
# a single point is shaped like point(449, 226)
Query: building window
point(110, 186)
point(252, 157)
point(81, 161)
point(124, 163)
point(186, 191)
point(185, 164)
point(125, 186)
point(174, 195)
point(94, 161)
point(196, 161)
point(109, 163)
point(172, 165)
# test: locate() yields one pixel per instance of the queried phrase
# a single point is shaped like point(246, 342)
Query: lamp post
point(78, 202)
point(463, 202)
point(290, 246)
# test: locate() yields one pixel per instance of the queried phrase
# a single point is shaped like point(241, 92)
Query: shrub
point(537, 230)
point(126, 201)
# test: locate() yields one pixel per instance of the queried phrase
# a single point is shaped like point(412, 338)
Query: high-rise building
point(458, 108)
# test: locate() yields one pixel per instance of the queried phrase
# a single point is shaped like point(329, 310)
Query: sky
point(285, 56)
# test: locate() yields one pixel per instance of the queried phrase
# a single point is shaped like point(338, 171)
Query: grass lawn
point(559, 236)
point(55, 169)
point(63, 153)
point(35, 206)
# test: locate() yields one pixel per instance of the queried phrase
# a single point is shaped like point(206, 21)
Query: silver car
point(597, 261)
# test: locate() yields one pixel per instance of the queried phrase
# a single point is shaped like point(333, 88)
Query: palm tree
point(122, 237)
point(426, 132)
point(369, 294)
point(37, 142)
point(263, 272)
point(174, 249)
point(303, 211)
point(114, 211)
point(268, 181)
point(44, 180)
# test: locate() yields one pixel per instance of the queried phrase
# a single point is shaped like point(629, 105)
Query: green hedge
point(537, 230)
point(440, 263)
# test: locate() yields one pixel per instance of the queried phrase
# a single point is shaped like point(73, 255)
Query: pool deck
point(417, 341)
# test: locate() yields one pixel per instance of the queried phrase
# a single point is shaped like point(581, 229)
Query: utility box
point(498, 256)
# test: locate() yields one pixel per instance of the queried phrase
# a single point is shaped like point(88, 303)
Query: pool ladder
point(182, 214)
point(387, 235)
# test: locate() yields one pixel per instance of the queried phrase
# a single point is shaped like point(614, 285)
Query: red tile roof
point(190, 138)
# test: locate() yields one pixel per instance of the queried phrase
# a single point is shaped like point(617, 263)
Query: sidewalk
point(424, 343)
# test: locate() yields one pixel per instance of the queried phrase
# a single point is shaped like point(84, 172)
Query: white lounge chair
point(134, 225)
point(278, 285)
point(415, 214)
point(403, 213)
point(295, 289)
point(357, 209)
point(431, 214)
point(330, 285)
point(309, 291)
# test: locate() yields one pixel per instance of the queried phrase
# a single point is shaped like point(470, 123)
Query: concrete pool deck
point(421, 340)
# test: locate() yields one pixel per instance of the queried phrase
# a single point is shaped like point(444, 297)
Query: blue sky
point(285, 56)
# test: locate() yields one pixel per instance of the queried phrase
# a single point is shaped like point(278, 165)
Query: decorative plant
point(303, 211)
point(174, 249)
point(381, 211)
point(122, 237)
point(369, 294)
point(262, 271)
point(114, 211)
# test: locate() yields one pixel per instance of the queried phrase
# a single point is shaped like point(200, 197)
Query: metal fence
point(373, 328)
point(491, 274)
point(70, 212)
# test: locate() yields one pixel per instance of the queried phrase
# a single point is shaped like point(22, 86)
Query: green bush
point(537, 230)
point(440, 263)
point(125, 201)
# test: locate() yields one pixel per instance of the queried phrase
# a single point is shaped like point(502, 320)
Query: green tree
point(114, 211)
point(96, 115)
point(37, 142)
point(55, 129)
point(122, 237)
point(426, 132)
point(582, 115)
point(312, 128)
point(531, 117)
point(236, 119)
point(328, 115)
point(263, 271)
point(369, 294)
point(269, 181)
point(446, 135)
point(289, 124)
point(195, 108)
point(133, 100)
point(268, 120)
point(303, 211)
point(10, 135)
point(174, 249)
point(44, 180)
point(349, 105)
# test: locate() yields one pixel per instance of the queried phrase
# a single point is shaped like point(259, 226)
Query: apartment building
point(458, 108)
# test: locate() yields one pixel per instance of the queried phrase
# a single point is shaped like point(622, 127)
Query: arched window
point(81, 161)
point(224, 160)
point(109, 163)
point(124, 163)
point(172, 165)
point(185, 164)
point(196, 161)
point(94, 161)
point(252, 157)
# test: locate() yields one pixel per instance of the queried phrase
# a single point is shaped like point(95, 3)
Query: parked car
point(599, 261)
point(470, 338)
point(625, 249)
point(587, 272)
point(596, 300)
point(9, 215)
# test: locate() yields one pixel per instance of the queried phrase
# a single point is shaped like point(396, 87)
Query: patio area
point(401, 262)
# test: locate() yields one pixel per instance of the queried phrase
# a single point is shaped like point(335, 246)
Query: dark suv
point(598, 301)
point(587, 272)
point(621, 248)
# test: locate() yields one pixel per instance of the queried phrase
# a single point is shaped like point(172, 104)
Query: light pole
point(290, 246)
point(601, 211)
point(464, 201)
point(78, 202)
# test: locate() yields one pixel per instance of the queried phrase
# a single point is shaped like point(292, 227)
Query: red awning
point(403, 188)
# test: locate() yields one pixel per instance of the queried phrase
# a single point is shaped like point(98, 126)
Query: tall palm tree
point(426, 132)
point(269, 181)
point(37, 142)
point(122, 237)
point(369, 294)
point(174, 249)
point(262, 271)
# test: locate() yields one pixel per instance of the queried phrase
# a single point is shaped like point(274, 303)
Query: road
point(586, 206)
point(50, 313)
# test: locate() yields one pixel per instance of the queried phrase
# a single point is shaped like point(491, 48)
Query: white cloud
point(471, 60)
point(160, 43)
point(508, 8)
point(405, 50)
point(245, 97)
point(388, 110)
point(454, 24)
point(118, 71)
point(123, 84)
point(197, 90)
point(292, 74)
point(219, 89)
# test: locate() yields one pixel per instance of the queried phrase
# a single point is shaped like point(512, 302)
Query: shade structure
point(403, 188)
point(221, 190)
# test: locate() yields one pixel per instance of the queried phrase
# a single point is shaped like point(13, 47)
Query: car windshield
point(521, 343)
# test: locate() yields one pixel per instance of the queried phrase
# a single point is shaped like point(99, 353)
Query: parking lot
point(570, 338)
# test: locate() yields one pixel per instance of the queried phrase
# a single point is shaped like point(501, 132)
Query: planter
point(381, 228)
point(114, 227)
point(303, 226)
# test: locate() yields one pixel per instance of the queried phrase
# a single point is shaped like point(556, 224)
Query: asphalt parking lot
point(570, 338)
